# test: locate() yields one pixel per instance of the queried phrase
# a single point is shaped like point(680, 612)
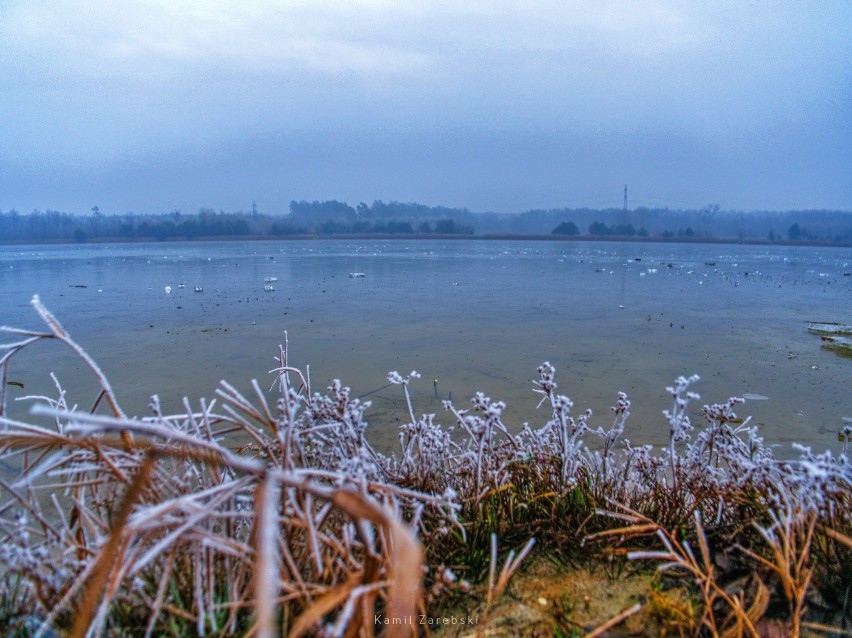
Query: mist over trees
point(709, 222)
point(332, 217)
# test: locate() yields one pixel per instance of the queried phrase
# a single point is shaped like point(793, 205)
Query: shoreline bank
point(424, 236)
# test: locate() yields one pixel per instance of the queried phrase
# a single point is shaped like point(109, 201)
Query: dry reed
point(163, 525)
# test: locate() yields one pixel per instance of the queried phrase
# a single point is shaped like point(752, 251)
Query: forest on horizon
point(332, 217)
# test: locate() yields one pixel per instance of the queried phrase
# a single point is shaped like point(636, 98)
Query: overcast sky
point(153, 105)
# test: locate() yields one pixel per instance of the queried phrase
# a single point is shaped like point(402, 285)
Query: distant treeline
point(334, 218)
point(706, 223)
point(53, 225)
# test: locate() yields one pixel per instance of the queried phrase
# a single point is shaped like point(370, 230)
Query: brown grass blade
point(323, 605)
point(840, 538)
point(157, 607)
point(754, 613)
point(406, 556)
point(107, 555)
point(813, 626)
point(266, 551)
point(630, 530)
point(612, 622)
point(62, 335)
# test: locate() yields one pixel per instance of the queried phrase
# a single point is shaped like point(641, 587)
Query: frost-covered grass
point(240, 515)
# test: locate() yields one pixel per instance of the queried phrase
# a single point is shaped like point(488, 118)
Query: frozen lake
point(475, 315)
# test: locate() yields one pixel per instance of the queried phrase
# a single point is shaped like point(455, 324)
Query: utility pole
point(625, 198)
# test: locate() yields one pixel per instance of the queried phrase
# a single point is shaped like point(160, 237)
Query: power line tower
point(625, 198)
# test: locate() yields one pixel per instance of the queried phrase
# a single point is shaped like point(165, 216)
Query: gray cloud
point(501, 106)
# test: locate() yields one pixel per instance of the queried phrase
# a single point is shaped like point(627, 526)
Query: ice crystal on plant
point(342, 507)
